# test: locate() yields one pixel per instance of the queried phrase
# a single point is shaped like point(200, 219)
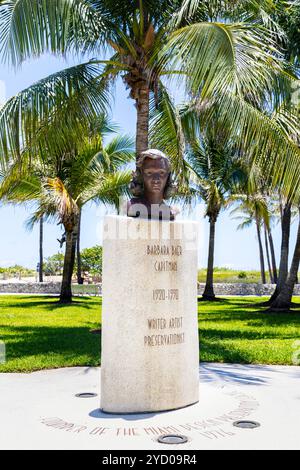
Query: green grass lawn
point(40, 334)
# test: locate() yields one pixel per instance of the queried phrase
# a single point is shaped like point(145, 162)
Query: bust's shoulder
point(137, 207)
point(136, 200)
point(174, 210)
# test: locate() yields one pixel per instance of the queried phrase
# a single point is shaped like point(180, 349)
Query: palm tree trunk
point(79, 276)
point(261, 254)
point(268, 256)
point(284, 299)
point(69, 261)
point(273, 257)
point(284, 252)
point(142, 125)
point(41, 249)
point(209, 286)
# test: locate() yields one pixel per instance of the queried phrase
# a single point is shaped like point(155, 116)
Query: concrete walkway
point(40, 411)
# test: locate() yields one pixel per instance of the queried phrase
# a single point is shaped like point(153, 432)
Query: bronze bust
point(151, 185)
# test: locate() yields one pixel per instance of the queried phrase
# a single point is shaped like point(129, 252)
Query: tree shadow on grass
point(291, 318)
point(214, 334)
point(239, 313)
point(69, 342)
point(46, 303)
point(232, 345)
point(219, 353)
point(216, 302)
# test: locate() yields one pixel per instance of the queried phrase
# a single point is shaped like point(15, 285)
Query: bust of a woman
point(152, 185)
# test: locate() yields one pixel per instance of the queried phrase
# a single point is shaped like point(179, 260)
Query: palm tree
point(253, 208)
point(270, 198)
point(103, 127)
point(41, 240)
point(78, 254)
point(224, 63)
point(272, 251)
point(3, 177)
point(285, 210)
point(173, 127)
point(271, 273)
point(216, 172)
point(63, 184)
point(283, 301)
point(286, 213)
point(289, 20)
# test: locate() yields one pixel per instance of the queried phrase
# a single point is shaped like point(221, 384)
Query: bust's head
point(153, 175)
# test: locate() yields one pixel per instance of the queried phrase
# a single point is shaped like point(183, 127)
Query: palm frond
point(219, 57)
point(56, 195)
point(21, 191)
point(103, 125)
point(49, 214)
point(120, 151)
point(30, 28)
point(17, 185)
point(245, 224)
point(34, 117)
point(261, 140)
point(109, 189)
point(166, 132)
point(261, 12)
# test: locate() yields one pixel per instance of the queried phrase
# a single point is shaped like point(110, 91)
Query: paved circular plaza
point(40, 411)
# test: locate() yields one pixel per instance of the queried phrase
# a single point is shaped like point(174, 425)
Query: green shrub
point(242, 275)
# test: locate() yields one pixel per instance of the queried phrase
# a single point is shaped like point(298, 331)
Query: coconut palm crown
point(223, 53)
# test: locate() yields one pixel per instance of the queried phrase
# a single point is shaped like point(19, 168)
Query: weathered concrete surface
point(150, 344)
point(40, 411)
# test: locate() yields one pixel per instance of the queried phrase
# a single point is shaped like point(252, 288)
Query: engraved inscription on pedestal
point(164, 259)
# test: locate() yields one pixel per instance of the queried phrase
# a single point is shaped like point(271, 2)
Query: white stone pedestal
point(150, 346)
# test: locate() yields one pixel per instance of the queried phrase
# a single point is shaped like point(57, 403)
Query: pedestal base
point(150, 346)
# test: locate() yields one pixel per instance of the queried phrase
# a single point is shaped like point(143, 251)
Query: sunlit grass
point(41, 334)
point(237, 330)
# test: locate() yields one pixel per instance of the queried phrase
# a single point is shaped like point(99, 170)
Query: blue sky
point(234, 248)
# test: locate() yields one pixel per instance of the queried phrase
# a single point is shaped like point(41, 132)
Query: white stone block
point(150, 345)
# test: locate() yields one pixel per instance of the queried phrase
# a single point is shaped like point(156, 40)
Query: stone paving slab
point(40, 411)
